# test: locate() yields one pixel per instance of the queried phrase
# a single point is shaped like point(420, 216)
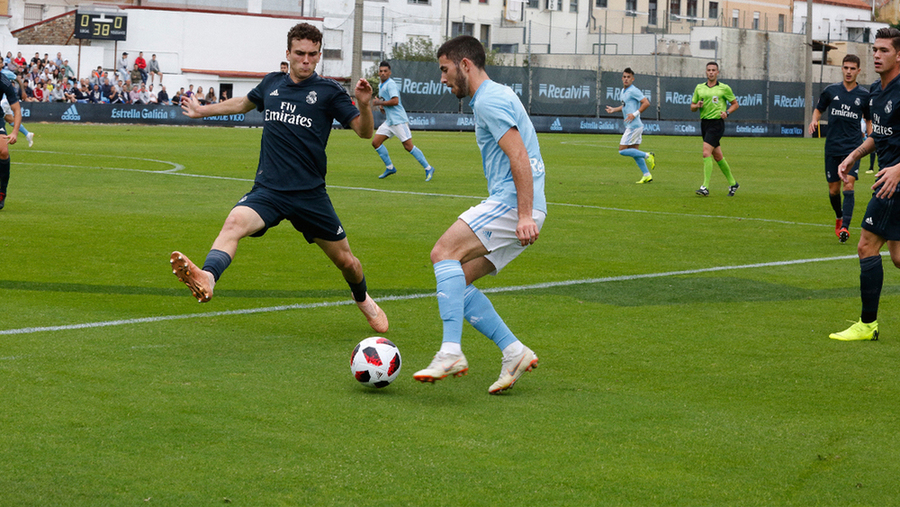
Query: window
point(735, 18)
point(713, 10)
point(692, 8)
point(485, 35)
point(756, 20)
point(332, 54)
point(781, 22)
point(462, 29)
point(554, 5)
point(483, 2)
point(533, 4)
point(573, 5)
point(651, 17)
point(708, 44)
point(600, 3)
point(631, 7)
point(421, 2)
point(33, 14)
point(674, 8)
point(506, 48)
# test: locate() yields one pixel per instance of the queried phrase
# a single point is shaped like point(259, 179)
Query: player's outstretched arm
point(192, 108)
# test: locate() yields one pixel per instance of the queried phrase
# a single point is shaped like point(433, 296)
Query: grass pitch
point(684, 346)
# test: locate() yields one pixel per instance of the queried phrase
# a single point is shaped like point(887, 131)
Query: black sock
point(836, 204)
point(216, 263)
point(849, 201)
point(871, 278)
point(4, 175)
point(358, 290)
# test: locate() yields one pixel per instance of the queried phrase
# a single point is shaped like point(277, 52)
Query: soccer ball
point(375, 362)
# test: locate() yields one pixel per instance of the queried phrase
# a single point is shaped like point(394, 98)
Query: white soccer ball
point(375, 362)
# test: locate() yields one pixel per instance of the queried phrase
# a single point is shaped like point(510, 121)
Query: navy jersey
point(7, 88)
point(845, 110)
point(885, 120)
point(298, 119)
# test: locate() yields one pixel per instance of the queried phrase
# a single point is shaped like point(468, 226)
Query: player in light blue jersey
point(395, 124)
point(488, 236)
point(633, 104)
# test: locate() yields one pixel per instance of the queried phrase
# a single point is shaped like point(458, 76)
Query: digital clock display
point(97, 25)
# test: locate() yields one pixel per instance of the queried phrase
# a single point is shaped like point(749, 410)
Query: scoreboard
point(100, 25)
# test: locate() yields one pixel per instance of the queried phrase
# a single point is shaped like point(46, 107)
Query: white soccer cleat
point(30, 138)
point(512, 369)
point(442, 366)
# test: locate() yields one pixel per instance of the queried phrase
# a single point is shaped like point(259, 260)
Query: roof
point(855, 4)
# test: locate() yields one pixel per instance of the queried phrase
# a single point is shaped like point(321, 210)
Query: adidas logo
point(870, 221)
point(340, 230)
point(556, 125)
point(274, 94)
point(487, 234)
point(71, 114)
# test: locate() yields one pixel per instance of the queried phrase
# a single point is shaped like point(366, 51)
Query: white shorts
point(632, 136)
point(495, 225)
point(400, 130)
point(7, 110)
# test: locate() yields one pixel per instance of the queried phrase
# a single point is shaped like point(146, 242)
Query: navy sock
point(871, 278)
point(849, 201)
point(216, 263)
point(358, 290)
point(4, 175)
point(836, 204)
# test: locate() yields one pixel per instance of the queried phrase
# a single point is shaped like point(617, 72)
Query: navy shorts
point(309, 211)
point(883, 217)
point(831, 169)
point(712, 131)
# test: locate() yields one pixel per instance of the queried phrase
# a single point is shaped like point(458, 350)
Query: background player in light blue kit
point(633, 104)
point(488, 236)
point(395, 124)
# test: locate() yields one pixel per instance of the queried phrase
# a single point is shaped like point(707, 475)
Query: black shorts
point(712, 131)
point(831, 169)
point(309, 211)
point(883, 217)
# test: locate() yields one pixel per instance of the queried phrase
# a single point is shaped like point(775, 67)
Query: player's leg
point(417, 154)
point(849, 202)
point(871, 280)
point(381, 135)
point(4, 168)
point(351, 268)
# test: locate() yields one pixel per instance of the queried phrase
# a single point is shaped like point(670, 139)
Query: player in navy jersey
point(847, 104)
point(9, 91)
point(299, 108)
point(881, 223)
point(488, 236)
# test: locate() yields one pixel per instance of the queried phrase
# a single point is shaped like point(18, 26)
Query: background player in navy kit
point(847, 103)
point(298, 109)
point(7, 89)
point(881, 223)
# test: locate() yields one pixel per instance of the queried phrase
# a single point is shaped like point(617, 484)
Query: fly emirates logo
point(288, 114)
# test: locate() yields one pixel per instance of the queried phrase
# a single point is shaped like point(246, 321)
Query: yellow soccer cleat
point(857, 332)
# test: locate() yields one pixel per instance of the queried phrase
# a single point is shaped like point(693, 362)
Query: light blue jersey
point(631, 102)
point(497, 109)
point(395, 114)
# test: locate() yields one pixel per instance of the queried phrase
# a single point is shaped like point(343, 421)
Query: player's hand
point(812, 127)
point(629, 118)
point(887, 178)
point(527, 231)
point(190, 106)
point(363, 91)
point(609, 109)
point(12, 137)
point(845, 167)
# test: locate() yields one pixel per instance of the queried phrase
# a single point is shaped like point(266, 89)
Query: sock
point(358, 290)
point(383, 153)
point(726, 170)
point(871, 278)
point(849, 201)
point(481, 314)
point(836, 204)
point(4, 175)
point(23, 130)
point(216, 263)
point(707, 170)
point(642, 165)
point(417, 153)
point(633, 153)
point(451, 287)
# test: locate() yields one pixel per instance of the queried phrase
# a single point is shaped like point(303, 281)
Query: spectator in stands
point(114, 96)
point(176, 100)
point(125, 92)
point(96, 96)
point(45, 61)
point(59, 60)
point(163, 97)
point(284, 67)
point(144, 94)
point(153, 69)
point(122, 66)
point(152, 98)
point(211, 96)
point(39, 92)
point(223, 96)
point(105, 86)
point(96, 74)
point(51, 69)
point(20, 60)
point(136, 76)
point(200, 96)
point(135, 94)
point(59, 92)
point(36, 60)
point(190, 92)
point(7, 59)
point(142, 66)
point(66, 72)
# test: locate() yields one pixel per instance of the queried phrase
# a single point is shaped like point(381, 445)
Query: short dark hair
point(851, 59)
point(384, 63)
point(889, 33)
point(628, 71)
point(712, 63)
point(306, 31)
point(464, 46)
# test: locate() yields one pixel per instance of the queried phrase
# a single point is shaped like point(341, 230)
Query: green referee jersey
point(715, 99)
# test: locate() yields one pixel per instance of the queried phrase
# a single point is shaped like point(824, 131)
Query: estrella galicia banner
point(563, 92)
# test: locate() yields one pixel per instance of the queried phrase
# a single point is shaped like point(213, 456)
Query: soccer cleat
point(702, 191)
point(646, 179)
point(195, 278)
point(858, 331)
point(30, 138)
point(513, 368)
point(838, 223)
point(2, 199)
point(844, 235)
point(429, 173)
point(386, 173)
point(651, 161)
point(442, 366)
point(733, 188)
point(374, 314)
point(870, 171)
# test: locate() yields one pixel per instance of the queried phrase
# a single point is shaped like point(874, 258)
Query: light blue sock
point(481, 314)
point(417, 153)
point(451, 287)
point(383, 153)
point(633, 153)
point(642, 165)
point(23, 130)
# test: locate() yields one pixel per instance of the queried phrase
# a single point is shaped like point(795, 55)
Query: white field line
point(516, 288)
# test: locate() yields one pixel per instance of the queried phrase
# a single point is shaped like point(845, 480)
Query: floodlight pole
point(807, 111)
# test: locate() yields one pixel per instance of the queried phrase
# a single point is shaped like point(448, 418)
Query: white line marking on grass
point(324, 304)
